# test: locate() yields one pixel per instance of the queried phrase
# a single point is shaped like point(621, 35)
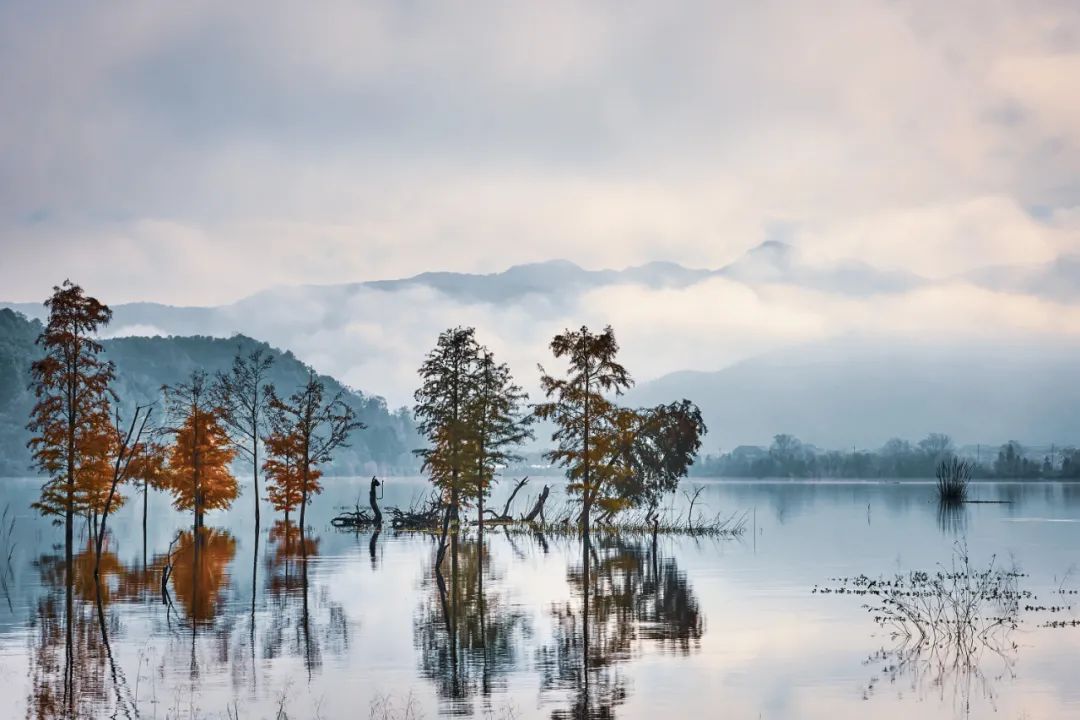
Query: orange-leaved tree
point(308, 429)
point(198, 459)
point(70, 420)
point(285, 482)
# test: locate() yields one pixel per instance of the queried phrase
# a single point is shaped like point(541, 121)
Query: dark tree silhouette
point(496, 424)
point(70, 420)
point(582, 413)
point(442, 405)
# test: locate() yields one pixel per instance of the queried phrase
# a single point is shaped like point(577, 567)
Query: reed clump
point(953, 478)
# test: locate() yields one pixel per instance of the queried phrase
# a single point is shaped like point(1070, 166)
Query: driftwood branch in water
point(359, 517)
point(422, 517)
point(166, 572)
point(506, 517)
point(538, 508)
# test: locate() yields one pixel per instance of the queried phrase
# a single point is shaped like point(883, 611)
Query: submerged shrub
point(953, 476)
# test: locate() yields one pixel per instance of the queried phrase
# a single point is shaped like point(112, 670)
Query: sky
point(199, 152)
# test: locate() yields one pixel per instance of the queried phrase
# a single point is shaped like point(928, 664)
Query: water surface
point(343, 624)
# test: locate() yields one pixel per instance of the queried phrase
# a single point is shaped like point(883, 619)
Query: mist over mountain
point(983, 356)
point(556, 283)
point(847, 393)
point(1057, 280)
point(144, 364)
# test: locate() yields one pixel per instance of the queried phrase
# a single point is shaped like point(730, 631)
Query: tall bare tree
point(243, 396)
point(129, 462)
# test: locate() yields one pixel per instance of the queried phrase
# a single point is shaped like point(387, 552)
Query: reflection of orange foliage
point(290, 548)
point(82, 571)
point(284, 472)
point(86, 587)
point(57, 690)
point(200, 570)
point(288, 542)
point(199, 460)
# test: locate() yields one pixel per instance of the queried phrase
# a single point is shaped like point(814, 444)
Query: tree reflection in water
point(71, 669)
point(468, 637)
point(72, 674)
point(624, 596)
point(296, 623)
point(201, 572)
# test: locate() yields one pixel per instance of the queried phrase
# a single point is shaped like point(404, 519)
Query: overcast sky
point(199, 152)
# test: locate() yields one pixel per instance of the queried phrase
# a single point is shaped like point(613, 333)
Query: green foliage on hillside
point(143, 365)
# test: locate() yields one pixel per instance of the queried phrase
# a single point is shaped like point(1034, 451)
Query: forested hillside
point(144, 364)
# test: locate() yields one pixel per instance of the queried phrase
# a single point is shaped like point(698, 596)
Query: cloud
point(375, 340)
point(201, 153)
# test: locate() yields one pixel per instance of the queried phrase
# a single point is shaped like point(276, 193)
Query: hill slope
point(839, 395)
point(145, 364)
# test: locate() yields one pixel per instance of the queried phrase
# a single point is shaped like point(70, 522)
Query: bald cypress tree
point(306, 430)
point(71, 419)
point(201, 452)
point(584, 415)
point(496, 424)
point(443, 402)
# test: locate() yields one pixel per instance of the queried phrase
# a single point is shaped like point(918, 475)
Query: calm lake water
point(690, 627)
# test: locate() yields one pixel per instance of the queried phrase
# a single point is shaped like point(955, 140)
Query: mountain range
point(559, 281)
point(830, 387)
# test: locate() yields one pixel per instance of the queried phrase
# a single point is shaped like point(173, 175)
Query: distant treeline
point(788, 457)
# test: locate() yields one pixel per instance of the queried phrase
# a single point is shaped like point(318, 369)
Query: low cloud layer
point(200, 153)
point(375, 339)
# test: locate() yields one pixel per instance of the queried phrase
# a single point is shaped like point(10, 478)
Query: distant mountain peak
point(776, 251)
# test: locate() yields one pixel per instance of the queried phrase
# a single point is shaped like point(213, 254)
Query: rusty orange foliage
point(284, 472)
point(70, 421)
point(198, 465)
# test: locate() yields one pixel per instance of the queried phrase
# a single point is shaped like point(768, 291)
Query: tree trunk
point(145, 502)
point(480, 534)
point(586, 569)
point(255, 478)
point(304, 489)
point(69, 608)
point(303, 505)
point(538, 508)
point(587, 488)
